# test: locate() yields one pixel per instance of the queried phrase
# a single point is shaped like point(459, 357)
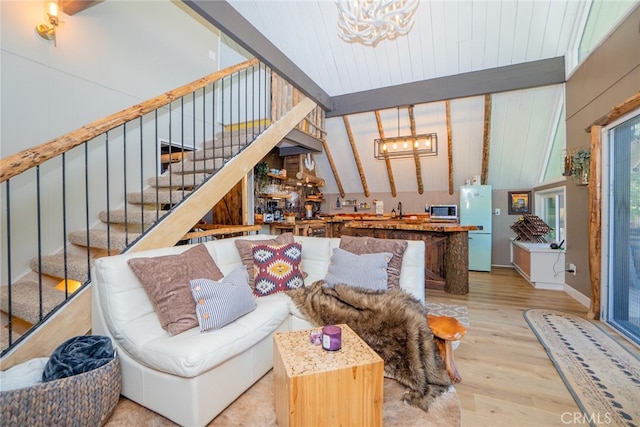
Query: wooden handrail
point(17, 163)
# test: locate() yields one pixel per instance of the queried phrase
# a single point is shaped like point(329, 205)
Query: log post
point(327, 152)
point(354, 149)
point(595, 209)
point(486, 139)
point(447, 105)
point(416, 158)
point(457, 250)
point(387, 161)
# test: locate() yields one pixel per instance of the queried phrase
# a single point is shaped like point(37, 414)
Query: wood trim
point(595, 221)
point(356, 156)
point(447, 105)
point(616, 112)
point(34, 156)
point(416, 158)
point(387, 160)
point(486, 139)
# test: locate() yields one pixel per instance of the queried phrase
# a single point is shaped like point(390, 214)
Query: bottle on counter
point(393, 213)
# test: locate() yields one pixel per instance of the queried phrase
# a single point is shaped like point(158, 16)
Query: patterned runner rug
point(602, 376)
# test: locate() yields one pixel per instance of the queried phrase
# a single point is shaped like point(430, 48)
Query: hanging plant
point(580, 166)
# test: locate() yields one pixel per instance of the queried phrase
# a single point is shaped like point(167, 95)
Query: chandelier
point(370, 21)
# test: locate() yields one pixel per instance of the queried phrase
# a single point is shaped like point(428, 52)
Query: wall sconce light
point(406, 146)
point(48, 32)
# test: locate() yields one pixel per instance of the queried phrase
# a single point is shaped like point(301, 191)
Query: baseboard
point(582, 299)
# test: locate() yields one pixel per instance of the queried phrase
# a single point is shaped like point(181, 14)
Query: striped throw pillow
point(219, 303)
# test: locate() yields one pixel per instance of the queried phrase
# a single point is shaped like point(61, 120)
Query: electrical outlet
point(572, 267)
point(496, 211)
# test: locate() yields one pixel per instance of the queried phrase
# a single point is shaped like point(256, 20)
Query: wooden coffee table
point(316, 387)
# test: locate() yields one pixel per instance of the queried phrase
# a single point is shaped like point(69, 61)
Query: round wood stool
point(447, 329)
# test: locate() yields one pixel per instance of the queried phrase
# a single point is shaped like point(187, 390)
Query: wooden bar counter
point(447, 247)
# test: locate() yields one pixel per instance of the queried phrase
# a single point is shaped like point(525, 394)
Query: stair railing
point(107, 176)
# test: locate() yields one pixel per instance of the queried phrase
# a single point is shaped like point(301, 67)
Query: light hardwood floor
point(507, 377)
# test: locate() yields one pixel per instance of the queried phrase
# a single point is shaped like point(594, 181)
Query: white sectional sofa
point(191, 377)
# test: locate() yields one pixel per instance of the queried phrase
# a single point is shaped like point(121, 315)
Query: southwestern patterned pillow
point(277, 268)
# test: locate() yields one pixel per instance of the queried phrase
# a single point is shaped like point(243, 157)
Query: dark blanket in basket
point(78, 355)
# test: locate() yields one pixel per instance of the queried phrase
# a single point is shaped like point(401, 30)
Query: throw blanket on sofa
point(393, 323)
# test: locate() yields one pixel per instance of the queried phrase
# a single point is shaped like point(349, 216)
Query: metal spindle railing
point(116, 160)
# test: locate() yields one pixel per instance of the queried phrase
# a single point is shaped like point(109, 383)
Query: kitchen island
point(447, 247)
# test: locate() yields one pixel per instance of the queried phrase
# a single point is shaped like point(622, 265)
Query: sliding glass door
point(622, 299)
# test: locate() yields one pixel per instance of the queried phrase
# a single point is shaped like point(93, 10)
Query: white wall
point(109, 57)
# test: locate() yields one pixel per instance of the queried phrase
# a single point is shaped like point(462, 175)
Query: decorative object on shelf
point(261, 171)
point(308, 162)
point(519, 202)
point(580, 165)
point(370, 21)
point(530, 228)
point(399, 147)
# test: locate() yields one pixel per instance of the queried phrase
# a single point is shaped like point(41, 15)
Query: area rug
point(602, 376)
point(460, 312)
point(252, 409)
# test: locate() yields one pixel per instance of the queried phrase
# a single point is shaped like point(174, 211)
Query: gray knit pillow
point(220, 303)
point(365, 271)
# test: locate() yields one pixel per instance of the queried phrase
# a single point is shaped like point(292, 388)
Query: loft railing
point(95, 191)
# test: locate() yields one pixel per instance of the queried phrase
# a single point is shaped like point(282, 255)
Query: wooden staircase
point(183, 185)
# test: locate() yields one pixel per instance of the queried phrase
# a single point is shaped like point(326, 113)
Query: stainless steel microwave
point(444, 212)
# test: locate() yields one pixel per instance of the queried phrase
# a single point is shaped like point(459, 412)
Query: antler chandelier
point(370, 21)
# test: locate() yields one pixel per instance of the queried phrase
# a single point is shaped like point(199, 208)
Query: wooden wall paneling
point(228, 211)
point(416, 158)
point(356, 156)
point(387, 161)
point(447, 105)
point(486, 139)
point(595, 221)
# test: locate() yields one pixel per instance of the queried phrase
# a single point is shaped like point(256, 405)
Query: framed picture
point(519, 202)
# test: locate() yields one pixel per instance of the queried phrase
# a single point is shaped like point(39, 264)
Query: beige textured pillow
point(245, 249)
point(166, 280)
point(372, 245)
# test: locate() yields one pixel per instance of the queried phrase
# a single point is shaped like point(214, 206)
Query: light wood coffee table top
point(314, 386)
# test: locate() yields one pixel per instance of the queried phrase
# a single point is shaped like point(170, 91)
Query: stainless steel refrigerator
point(476, 209)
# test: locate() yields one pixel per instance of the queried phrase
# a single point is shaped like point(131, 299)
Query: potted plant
point(580, 165)
point(260, 172)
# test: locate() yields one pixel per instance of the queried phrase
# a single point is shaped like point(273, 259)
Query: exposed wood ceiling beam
point(224, 17)
point(387, 161)
point(501, 79)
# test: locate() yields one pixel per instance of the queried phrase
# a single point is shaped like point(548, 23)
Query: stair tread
point(101, 239)
point(157, 196)
point(197, 166)
point(134, 215)
point(25, 299)
point(178, 180)
point(53, 265)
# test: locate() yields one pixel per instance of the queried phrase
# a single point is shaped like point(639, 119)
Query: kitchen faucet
point(400, 209)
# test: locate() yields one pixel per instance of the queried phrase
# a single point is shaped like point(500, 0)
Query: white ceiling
point(448, 38)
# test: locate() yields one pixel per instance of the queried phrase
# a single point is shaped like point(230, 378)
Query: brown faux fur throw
point(393, 323)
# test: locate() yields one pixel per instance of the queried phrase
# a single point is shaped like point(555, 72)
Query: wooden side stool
point(447, 329)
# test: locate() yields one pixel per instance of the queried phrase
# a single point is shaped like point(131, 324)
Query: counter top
point(404, 224)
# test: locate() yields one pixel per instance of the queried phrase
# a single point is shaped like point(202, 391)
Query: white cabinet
point(542, 266)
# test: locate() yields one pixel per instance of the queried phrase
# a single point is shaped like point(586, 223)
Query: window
point(550, 208)
point(621, 226)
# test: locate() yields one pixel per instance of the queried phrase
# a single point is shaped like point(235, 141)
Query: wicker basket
point(86, 399)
